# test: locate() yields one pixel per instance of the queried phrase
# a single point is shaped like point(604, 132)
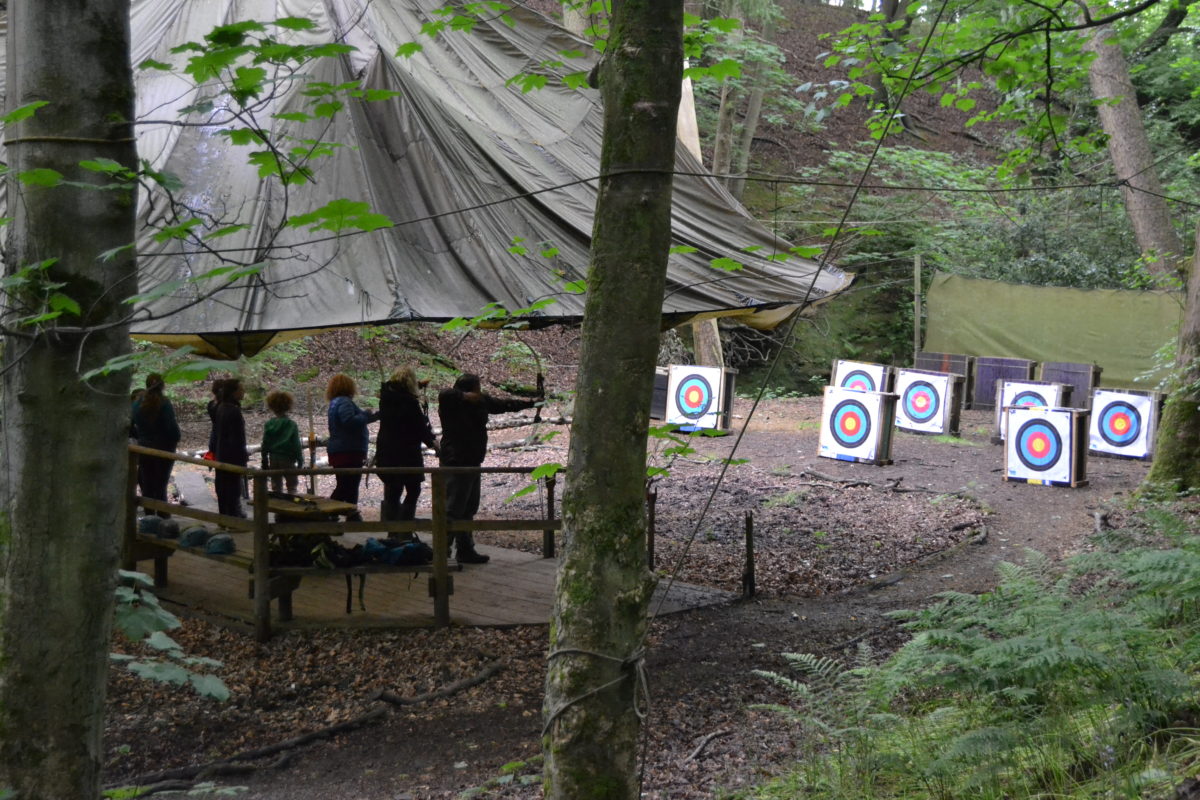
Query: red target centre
point(921, 402)
point(693, 396)
point(849, 424)
point(1039, 444)
point(1120, 423)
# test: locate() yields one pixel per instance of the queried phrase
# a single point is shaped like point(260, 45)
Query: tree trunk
point(737, 187)
point(1129, 149)
point(63, 465)
point(1177, 445)
point(604, 586)
point(722, 158)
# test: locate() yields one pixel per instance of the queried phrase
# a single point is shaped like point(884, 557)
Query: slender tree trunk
point(737, 186)
point(62, 442)
point(1133, 162)
point(1177, 446)
point(604, 586)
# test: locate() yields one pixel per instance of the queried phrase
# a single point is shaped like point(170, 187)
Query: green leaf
point(242, 136)
point(575, 287)
point(293, 116)
point(682, 248)
point(409, 49)
point(227, 230)
point(340, 215)
point(807, 251)
point(726, 264)
point(545, 471)
point(42, 176)
point(725, 68)
point(575, 80)
point(160, 672)
point(61, 303)
point(193, 370)
point(964, 104)
point(375, 95)
point(328, 109)
point(23, 112)
point(247, 83)
point(295, 23)
point(209, 686)
point(105, 165)
point(163, 643)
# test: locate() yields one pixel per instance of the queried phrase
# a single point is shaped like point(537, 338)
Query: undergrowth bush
point(1062, 682)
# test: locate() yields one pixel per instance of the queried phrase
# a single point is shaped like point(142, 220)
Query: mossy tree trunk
point(1177, 446)
point(62, 441)
point(604, 586)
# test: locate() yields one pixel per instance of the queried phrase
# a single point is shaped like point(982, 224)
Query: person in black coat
point(463, 412)
point(403, 430)
point(229, 446)
point(154, 425)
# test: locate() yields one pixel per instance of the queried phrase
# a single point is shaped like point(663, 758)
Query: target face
point(850, 424)
point(857, 425)
point(1038, 445)
point(1120, 423)
point(693, 396)
point(1028, 398)
point(862, 376)
point(1025, 394)
point(921, 401)
point(859, 381)
point(1123, 423)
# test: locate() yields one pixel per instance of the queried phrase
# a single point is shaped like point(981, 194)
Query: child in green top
point(281, 447)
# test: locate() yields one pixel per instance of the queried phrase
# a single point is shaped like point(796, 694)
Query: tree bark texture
point(604, 586)
point(62, 441)
point(1133, 162)
point(1176, 464)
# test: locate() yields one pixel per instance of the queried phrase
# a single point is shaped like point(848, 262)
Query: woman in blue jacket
point(348, 438)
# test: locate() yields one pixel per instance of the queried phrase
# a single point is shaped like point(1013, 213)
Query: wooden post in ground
point(548, 535)
point(651, 502)
point(128, 538)
point(262, 561)
point(748, 587)
point(916, 306)
point(441, 546)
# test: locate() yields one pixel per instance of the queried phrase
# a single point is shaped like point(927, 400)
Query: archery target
point(856, 425)
point(693, 396)
point(861, 376)
point(924, 401)
point(1122, 423)
point(1025, 394)
point(1039, 444)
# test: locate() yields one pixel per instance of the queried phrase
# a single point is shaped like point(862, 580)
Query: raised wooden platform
point(515, 588)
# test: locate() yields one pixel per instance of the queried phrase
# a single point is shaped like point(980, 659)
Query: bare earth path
point(700, 663)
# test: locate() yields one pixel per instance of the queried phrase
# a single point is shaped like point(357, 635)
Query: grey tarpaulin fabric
point(470, 169)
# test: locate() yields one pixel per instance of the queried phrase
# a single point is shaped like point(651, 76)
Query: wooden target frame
point(863, 376)
point(1044, 394)
point(1124, 423)
point(928, 402)
point(857, 425)
point(1046, 446)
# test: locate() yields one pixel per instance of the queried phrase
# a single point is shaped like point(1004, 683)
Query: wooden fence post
point(128, 536)
point(651, 502)
point(748, 587)
point(548, 535)
point(262, 561)
point(441, 547)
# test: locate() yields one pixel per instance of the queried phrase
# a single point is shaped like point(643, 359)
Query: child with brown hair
point(281, 448)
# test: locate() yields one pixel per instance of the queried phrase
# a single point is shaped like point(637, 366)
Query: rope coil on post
point(634, 665)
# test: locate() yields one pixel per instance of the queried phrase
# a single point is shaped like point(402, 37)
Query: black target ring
point(1039, 446)
point(921, 401)
point(1120, 423)
point(859, 380)
point(850, 424)
point(693, 396)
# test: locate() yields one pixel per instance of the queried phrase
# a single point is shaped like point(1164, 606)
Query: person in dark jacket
point(403, 429)
point(155, 426)
point(217, 388)
point(463, 412)
point(348, 437)
point(229, 446)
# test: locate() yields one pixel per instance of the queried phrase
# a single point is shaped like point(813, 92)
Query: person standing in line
point(281, 448)
point(154, 425)
point(217, 388)
point(403, 429)
point(229, 440)
point(463, 411)
point(348, 438)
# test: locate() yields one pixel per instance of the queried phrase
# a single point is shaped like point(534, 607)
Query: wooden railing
point(263, 528)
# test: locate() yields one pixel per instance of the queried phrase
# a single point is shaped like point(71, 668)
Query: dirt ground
point(839, 545)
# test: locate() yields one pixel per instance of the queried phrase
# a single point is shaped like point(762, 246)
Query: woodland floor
point(838, 546)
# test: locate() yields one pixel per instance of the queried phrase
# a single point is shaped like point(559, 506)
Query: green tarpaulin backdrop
point(1119, 330)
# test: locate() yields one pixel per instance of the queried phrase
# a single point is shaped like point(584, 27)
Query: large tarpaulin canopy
point(1119, 330)
point(490, 188)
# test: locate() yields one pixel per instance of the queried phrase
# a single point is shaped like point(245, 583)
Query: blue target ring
point(693, 396)
point(921, 401)
point(1038, 445)
point(850, 423)
point(1120, 424)
point(859, 381)
point(1029, 399)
